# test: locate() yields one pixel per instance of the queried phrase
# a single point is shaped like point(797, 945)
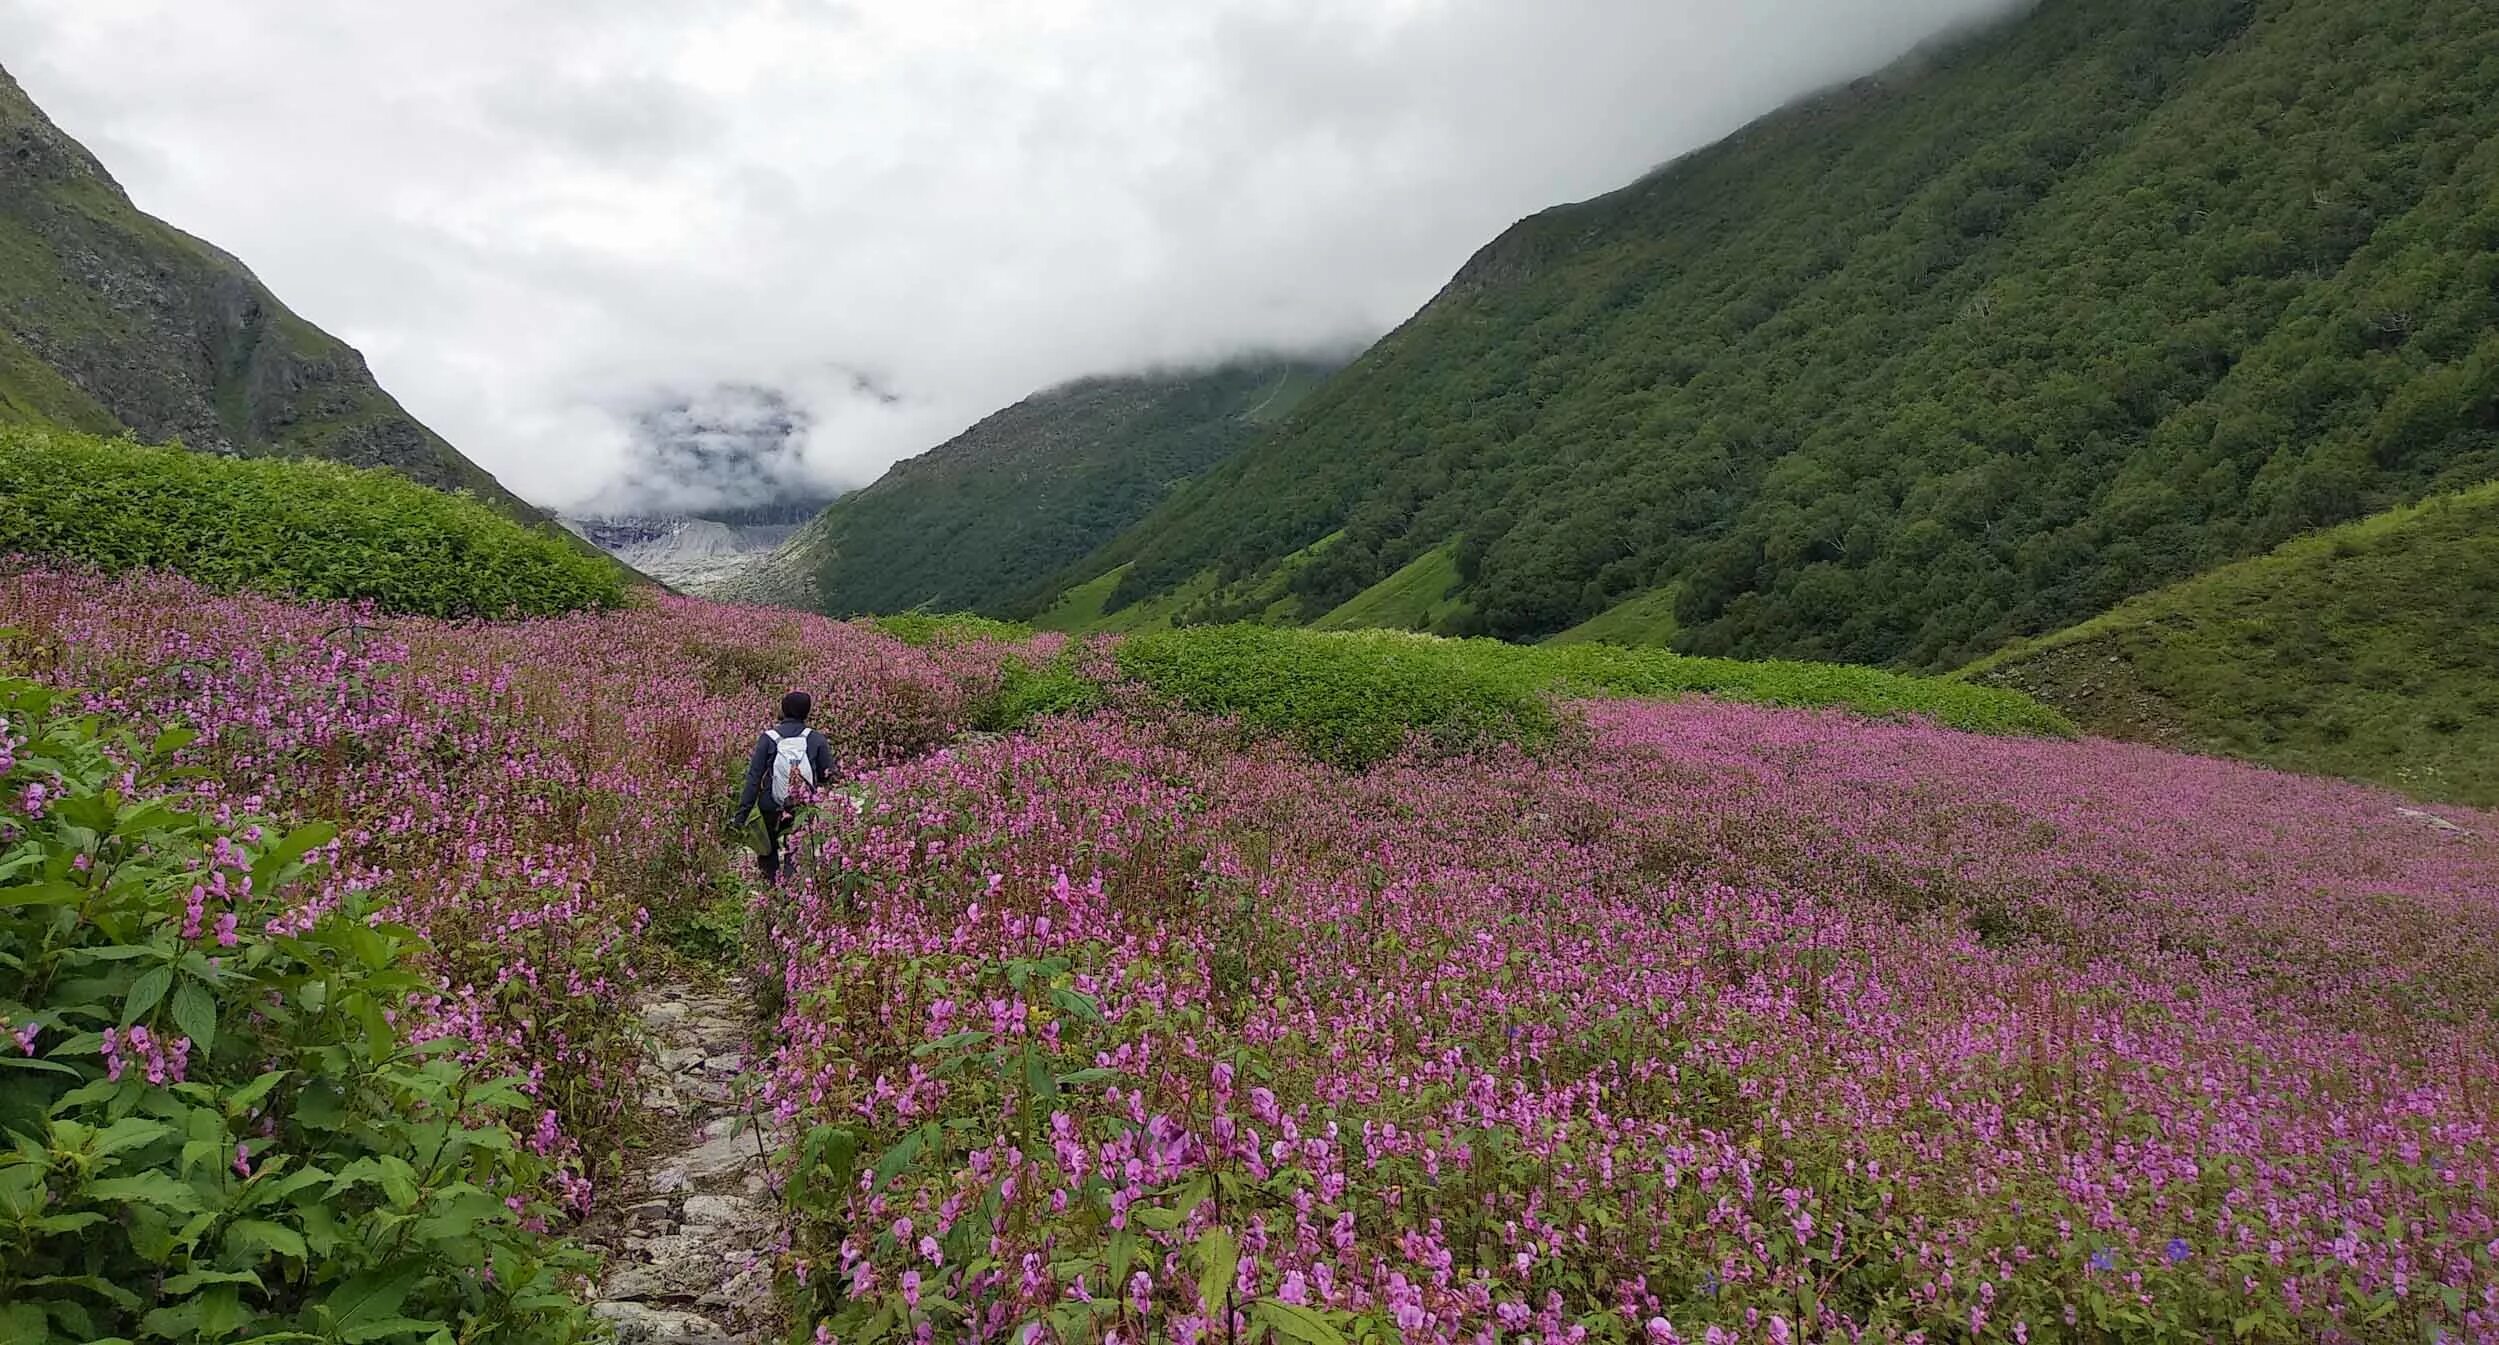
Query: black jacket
point(759, 766)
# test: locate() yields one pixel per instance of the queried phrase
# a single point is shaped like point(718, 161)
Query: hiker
point(788, 757)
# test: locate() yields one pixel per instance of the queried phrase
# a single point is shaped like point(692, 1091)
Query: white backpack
point(790, 764)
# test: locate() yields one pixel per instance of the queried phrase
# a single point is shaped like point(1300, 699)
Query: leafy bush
point(1356, 697)
point(212, 1123)
point(928, 630)
point(311, 529)
point(1612, 670)
point(1351, 699)
point(1030, 690)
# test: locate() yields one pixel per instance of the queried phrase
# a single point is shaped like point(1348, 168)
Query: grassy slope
point(980, 522)
point(2370, 650)
point(2078, 308)
point(1416, 597)
point(1078, 611)
point(1355, 696)
point(1645, 619)
point(304, 528)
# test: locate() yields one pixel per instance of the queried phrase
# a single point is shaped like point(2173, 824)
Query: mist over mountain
point(733, 450)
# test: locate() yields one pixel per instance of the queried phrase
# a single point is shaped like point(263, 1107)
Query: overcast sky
point(540, 220)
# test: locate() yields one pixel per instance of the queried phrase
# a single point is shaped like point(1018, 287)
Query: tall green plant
point(214, 1123)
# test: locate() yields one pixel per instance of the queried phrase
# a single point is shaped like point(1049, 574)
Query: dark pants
point(776, 830)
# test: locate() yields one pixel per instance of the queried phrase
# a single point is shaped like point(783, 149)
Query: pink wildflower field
point(1710, 1023)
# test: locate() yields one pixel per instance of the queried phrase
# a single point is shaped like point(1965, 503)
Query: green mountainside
point(2099, 298)
point(112, 320)
point(982, 521)
point(2368, 650)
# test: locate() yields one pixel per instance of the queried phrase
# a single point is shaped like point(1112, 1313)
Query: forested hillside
point(2367, 650)
point(111, 319)
point(982, 520)
point(2109, 295)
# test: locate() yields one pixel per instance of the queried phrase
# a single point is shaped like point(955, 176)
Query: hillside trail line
point(688, 1237)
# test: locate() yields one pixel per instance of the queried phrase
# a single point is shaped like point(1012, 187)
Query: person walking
point(789, 760)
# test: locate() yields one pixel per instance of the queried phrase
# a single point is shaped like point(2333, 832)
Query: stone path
point(688, 1253)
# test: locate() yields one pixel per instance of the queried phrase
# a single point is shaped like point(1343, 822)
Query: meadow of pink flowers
point(1718, 1023)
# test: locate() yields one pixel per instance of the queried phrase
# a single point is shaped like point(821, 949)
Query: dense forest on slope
point(111, 319)
point(2105, 296)
point(2365, 650)
point(977, 523)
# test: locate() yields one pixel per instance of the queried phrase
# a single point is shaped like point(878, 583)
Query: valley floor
point(1700, 1021)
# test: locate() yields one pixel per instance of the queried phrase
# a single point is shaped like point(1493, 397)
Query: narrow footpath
point(688, 1252)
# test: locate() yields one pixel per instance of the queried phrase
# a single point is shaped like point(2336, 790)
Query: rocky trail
point(687, 1243)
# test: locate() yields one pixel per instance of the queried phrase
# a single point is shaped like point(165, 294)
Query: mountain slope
point(2097, 299)
point(980, 522)
point(111, 319)
point(2369, 650)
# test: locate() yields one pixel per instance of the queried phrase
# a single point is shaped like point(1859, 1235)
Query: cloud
point(541, 221)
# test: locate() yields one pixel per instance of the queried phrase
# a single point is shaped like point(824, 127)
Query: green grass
point(289, 526)
point(2369, 651)
point(1354, 697)
point(1648, 619)
point(32, 393)
point(1078, 611)
point(1416, 597)
point(1351, 699)
point(928, 629)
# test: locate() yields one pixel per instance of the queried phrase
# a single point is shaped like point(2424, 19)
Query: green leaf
point(173, 739)
point(145, 992)
point(242, 1100)
point(894, 1160)
point(129, 1133)
point(1295, 1322)
point(196, 1014)
point(300, 842)
point(185, 1283)
point(147, 1188)
point(24, 1324)
point(276, 1238)
point(372, 1296)
point(42, 894)
point(38, 1064)
point(399, 1181)
point(94, 1284)
point(387, 1327)
point(1218, 1260)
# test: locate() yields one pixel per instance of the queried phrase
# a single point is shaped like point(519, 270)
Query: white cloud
point(535, 217)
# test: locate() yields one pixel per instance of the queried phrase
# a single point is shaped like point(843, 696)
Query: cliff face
point(111, 319)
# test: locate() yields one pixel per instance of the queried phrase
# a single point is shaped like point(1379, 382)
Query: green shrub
point(1027, 692)
point(1350, 698)
point(1354, 697)
point(213, 1128)
point(293, 526)
point(931, 630)
point(1612, 670)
